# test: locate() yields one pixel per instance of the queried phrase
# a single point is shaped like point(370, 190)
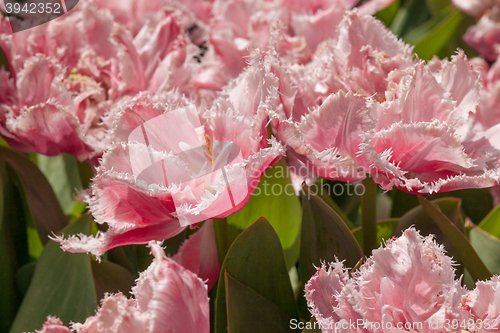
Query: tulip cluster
point(182, 106)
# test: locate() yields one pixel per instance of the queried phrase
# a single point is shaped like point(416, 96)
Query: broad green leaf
point(35, 246)
point(24, 276)
point(43, 205)
point(385, 230)
point(274, 199)
point(13, 244)
point(487, 247)
point(477, 203)
point(221, 238)
point(418, 218)
point(432, 36)
point(62, 286)
point(62, 174)
point(471, 260)
point(410, 15)
point(491, 223)
point(256, 260)
point(402, 202)
point(324, 237)
point(111, 278)
point(333, 205)
point(248, 311)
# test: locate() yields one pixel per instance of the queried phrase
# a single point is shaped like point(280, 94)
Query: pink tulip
point(167, 298)
point(409, 282)
point(66, 74)
point(483, 36)
point(325, 109)
point(173, 164)
point(483, 303)
point(423, 141)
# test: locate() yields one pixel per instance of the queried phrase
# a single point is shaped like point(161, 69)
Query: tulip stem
point(221, 238)
point(369, 216)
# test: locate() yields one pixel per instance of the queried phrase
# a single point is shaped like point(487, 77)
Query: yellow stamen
point(208, 152)
point(74, 76)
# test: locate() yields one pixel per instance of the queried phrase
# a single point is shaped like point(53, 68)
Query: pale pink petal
point(366, 52)
point(155, 40)
point(199, 254)
point(300, 173)
point(323, 293)
point(330, 141)
point(50, 129)
point(116, 314)
point(320, 26)
point(472, 7)
point(484, 303)
point(53, 325)
point(175, 298)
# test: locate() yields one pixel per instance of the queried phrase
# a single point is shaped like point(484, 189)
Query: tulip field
point(249, 166)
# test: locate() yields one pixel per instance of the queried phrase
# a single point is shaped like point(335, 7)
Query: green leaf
point(491, 223)
point(248, 311)
point(256, 260)
point(333, 205)
point(324, 237)
point(432, 36)
point(24, 276)
point(43, 205)
point(435, 6)
point(410, 15)
point(388, 14)
point(13, 244)
point(402, 202)
point(111, 278)
point(487, 247)
point(477, 203)
point(458, 241)
point(62, 286)
point(62, 174)
point(385, 230)
point(274, 199)
point(417, 217)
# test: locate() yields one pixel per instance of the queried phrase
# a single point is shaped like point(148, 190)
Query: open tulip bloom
point(228, 166)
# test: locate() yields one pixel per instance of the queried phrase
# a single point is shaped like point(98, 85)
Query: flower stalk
point(369, 216)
